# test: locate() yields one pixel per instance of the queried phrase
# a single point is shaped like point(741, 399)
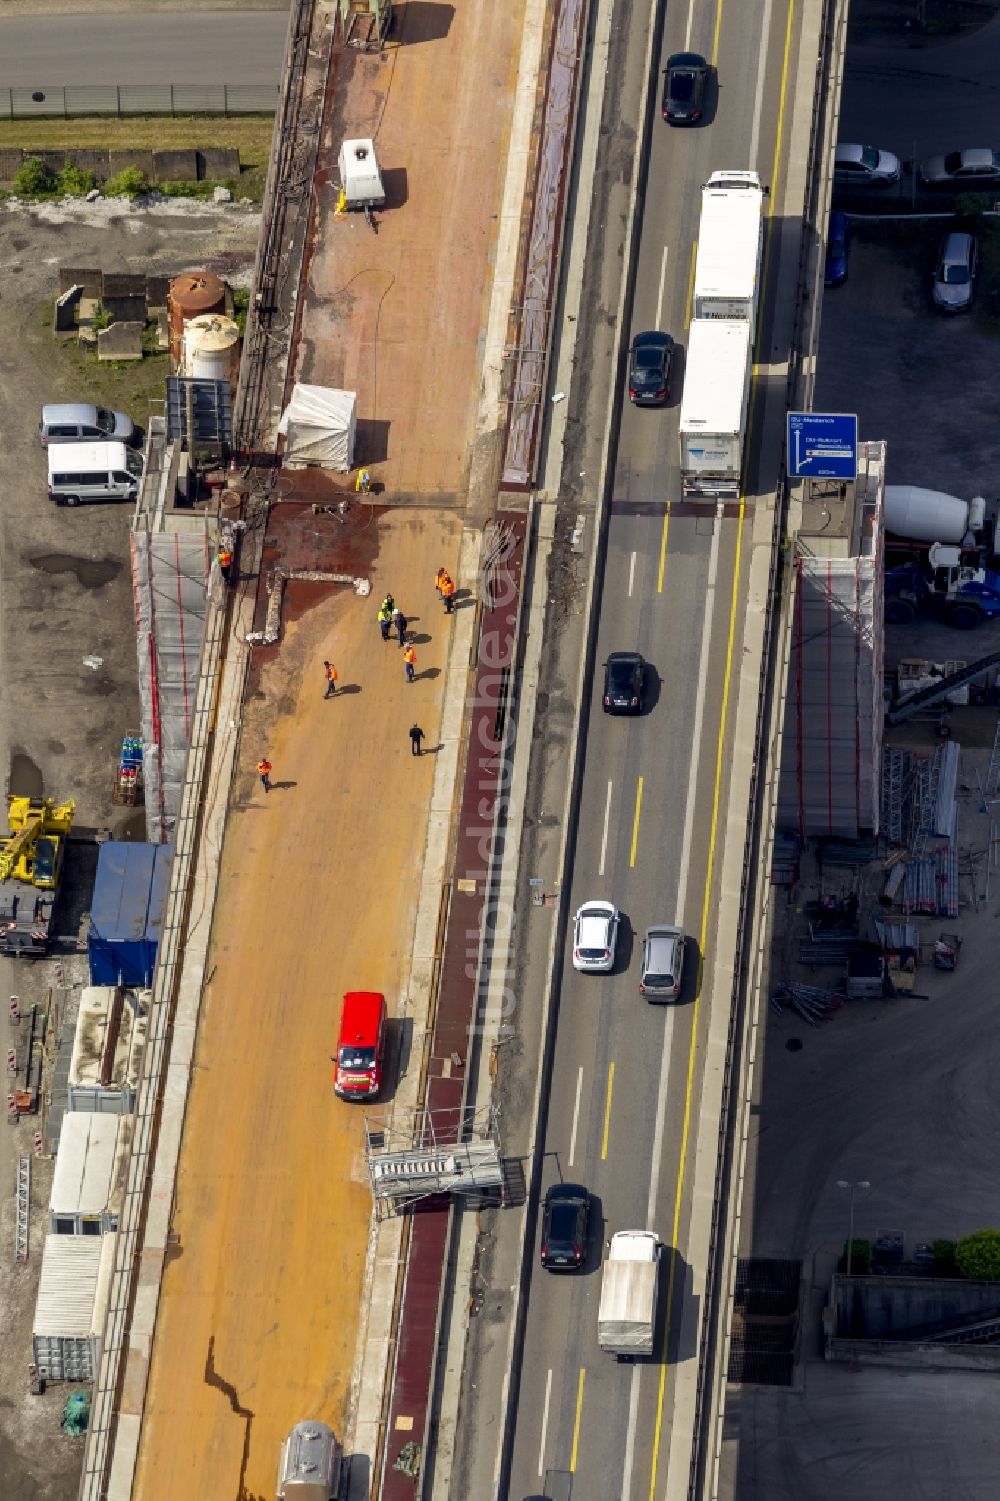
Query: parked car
point(81, 422)
point(838, 240)
point(565, 1223)
point(976, 167)
point(955, 273)
point(624, 683)
point(595, 935)
point(865, 166)
point(684, 80)
point(662, 963)
point(650, 359)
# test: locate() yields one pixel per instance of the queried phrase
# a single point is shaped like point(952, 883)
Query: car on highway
point(649, 362)
point(955, 273)
point(595, 934)
point(976, 167)
point(82, 422)
point(624, 683)
point(662, 963)
point(565, 1223)
point(838, 240)
point(865, 166)
point(684, 80)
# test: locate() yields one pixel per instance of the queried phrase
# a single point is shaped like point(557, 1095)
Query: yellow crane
point(33, 850)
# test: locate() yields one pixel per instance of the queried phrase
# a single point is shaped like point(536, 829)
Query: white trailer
point(714, 408)
point(730, 246)
point(626, 1318)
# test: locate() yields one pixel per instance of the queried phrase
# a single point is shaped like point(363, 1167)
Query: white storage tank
point(71, 1306)
point(89, 1174)
point(360, 177)
point(931, 515)
point(309, 1469)
point(212, 348)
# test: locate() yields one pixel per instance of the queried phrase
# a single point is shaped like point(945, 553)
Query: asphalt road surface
point(626, 1081)
point(164, 47)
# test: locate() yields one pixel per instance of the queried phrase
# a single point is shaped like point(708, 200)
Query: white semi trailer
point(730, 247)
point(714, 408)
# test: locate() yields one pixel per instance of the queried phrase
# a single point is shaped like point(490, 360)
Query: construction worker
point(384, 618)
point(225, 560)
point(264, 769)
point(331, 679)
point(439, 579)
point(401, 624)
point(410, 662)
point(363, 483)
point(416, 735)
point(448, 594)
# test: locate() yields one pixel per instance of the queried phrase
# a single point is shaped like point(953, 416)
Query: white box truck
point(730, 246)
point(714, 408)
point(626, 1318)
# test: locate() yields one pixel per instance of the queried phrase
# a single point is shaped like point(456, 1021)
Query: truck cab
point(962, 594)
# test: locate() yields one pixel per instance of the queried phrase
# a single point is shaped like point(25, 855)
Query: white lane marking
point(631, 576)
point(604, 840)
point(633, 1412)
point(765, 31)
point(576, 1122)
point(687, 33)
point(663, 283)
point(699, 713)
point(545, 1424)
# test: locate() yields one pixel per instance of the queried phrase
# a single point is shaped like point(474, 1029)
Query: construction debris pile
point(920, 822)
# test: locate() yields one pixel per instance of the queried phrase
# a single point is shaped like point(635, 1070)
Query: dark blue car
point(837, 241)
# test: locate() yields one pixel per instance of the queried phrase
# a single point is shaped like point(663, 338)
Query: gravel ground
point(65, 594)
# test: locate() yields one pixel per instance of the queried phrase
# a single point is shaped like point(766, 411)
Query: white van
point(93, 471)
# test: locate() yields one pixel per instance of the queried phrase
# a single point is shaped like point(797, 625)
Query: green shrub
point(129, 183)
point(33, 178)
point(101, 319)
point(179, 189)
point(944, 1258)
point(861, 1258)
point(978, 1255)
point(75, 182)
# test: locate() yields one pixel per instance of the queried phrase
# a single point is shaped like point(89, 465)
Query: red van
point(357, 1073)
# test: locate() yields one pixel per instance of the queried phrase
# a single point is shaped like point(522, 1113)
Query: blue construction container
point(126, 915)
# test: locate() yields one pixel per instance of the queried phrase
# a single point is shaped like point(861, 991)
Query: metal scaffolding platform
point(415, 1155)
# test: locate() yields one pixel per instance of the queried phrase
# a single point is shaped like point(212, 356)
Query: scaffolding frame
point(420, 1154)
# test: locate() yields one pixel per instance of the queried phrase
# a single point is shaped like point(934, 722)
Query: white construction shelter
point(107, 1050)
point(71, 1306)
point(318, 427)
point(360, 177)
point(89, 1174)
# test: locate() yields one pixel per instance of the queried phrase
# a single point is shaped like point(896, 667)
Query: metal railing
point(139, 99)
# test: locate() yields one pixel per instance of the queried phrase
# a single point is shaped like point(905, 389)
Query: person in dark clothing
point(416, 735)
point(401, 624)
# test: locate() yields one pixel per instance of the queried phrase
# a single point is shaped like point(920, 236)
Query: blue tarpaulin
point(126, 915)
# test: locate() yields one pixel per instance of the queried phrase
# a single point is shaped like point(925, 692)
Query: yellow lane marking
point(576, 1423)
point(716, 798)
point(690, 295)
point(607, 1112)
point(663, 549)
point(715, 35)
point(635, 824)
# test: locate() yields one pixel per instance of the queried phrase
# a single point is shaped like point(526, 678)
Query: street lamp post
point(843, 1183)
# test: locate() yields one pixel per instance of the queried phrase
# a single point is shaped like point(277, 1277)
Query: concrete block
point(175, 166)
point(126, 309)
point(65, 312)
point(222, 195)
point(157, 288)
point(215, 162)
point(122, 284)
point(122, 341)
point(119, 160)
point(10, 160)
point(162, 328)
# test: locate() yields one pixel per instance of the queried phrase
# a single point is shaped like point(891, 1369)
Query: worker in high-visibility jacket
point(225, 561)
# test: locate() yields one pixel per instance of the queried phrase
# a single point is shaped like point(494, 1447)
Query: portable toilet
point(360, 177)
point(309, 1469)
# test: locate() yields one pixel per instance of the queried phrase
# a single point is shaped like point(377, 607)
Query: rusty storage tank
point(211, 348)
point(190, 295)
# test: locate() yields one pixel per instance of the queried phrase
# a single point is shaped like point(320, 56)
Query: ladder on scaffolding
point(993, 774)
point(23, 1210)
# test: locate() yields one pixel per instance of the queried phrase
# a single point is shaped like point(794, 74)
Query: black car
point(565, 1217)
point(624, 683)
point(684, 80)
point(649, 364)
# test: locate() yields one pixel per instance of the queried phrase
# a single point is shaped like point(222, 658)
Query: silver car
point(865, 166)
point(955, 274)
point(977, 167)
point(82, 422)
point(662, 963)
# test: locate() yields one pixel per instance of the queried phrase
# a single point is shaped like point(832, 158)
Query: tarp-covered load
point(318, 427)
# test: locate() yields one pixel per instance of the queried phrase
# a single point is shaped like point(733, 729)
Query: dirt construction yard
point(68, 665)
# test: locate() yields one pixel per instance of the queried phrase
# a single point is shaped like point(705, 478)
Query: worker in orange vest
point(439, 579)
point(225, 560)
point(410, 662)
point(448, 594)
point(331, 679)
point(264, 769)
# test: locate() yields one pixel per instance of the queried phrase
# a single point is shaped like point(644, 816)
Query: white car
point(595, 934)
point(865, 165)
